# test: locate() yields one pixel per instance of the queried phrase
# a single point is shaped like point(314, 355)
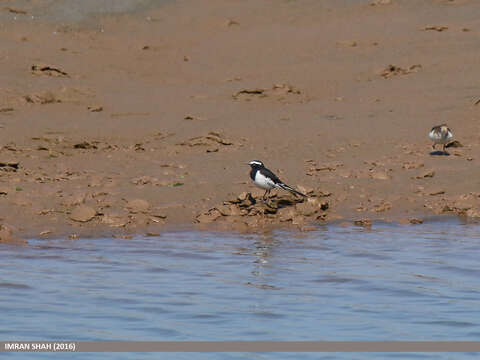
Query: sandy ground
point(143, 122)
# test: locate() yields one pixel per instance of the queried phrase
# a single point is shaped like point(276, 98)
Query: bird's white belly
point(437, 137)
point(263, 182)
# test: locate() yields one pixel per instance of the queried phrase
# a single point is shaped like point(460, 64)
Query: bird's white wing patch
point(435, 135)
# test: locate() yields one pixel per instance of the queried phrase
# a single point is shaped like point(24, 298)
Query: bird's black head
point(256, 164)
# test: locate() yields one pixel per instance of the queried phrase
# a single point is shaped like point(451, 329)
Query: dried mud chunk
point(9, 165)
point(115, 220)
point(212, 138)
point(436, 28)
point(426, 174)
point(229, 210)
point(366, 223)
point(158, 214)
point(415, 221)
point(85, 145)
point(45, 97)
point(16, 11)
point(473, 213)
point(379, 175)
point(412, 165)
point(309, 191)
point(383, 206)
point(380, 2)
point(454, 144)
point(95, 108)
point(144, 180)
point(393, 70)
point(298, 220)
point(74, 199)
point(49, 70)
point(435, 192)
point(464, 203)
point(208, 216)
point(307, 208)
point(138, 206)
point(245, 199)
point(350, 43)
point(82, 213)
point(278, 91)
point(248, 93)
point(286, 214)
point(6, 234)
point(193, 117)
point(284, 89)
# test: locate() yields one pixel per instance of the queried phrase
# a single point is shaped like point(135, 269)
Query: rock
point(138, 206)
point(82, 213)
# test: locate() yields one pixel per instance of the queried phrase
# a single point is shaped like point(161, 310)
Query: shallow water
point(390, 283)
point(73, 12)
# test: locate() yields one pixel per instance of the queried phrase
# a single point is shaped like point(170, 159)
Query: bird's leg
point(265, 198)
point(444, 147)
point(265, 195)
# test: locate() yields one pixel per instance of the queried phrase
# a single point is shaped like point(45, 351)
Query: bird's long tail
point(292, 190)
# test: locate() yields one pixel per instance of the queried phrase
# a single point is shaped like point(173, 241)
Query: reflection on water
point(390, 283)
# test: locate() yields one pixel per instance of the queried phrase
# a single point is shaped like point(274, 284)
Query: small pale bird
point(440, 134)
point(267, 180)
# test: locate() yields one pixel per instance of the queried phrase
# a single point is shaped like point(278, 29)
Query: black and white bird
point(267, 180)
point(440, 134)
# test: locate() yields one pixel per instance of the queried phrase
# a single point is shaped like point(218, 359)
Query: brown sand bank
point(148, 120)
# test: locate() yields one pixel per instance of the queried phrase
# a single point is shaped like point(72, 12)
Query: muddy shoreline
point(145, 121)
